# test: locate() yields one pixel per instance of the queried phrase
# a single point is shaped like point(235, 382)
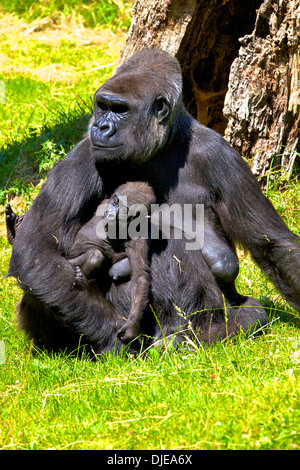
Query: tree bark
point(247, 89)
point(263, 100)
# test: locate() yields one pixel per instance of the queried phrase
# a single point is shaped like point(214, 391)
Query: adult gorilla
point(142, 132)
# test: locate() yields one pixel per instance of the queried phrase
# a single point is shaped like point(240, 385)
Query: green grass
point(87, 12)
point(242, 394)
point(237, 395)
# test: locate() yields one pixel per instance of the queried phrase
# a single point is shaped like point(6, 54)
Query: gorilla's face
point(134, 110)
point(128, 126)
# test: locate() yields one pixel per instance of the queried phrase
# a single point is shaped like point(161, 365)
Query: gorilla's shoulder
point(81, 149)
point(209, 146)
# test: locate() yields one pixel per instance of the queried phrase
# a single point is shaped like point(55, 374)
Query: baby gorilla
point(106, 237)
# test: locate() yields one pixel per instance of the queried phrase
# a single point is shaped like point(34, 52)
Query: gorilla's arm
point(67, 200)
point(247, 216)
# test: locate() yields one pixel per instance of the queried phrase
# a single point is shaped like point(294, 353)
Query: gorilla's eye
point(119, 108)
point(115, 200)
point(102, 106)
point(160, 104)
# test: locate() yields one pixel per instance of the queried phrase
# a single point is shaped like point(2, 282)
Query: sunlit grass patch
point(237, 395)
point(87, 13)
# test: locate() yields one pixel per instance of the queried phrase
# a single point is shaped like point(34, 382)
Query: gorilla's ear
point(162, 108)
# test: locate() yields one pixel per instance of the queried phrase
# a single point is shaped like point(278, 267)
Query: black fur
point(141, 131)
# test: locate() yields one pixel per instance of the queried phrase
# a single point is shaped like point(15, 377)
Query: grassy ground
point(242, 394)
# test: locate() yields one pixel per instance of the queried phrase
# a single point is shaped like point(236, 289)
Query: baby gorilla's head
point(127, 202)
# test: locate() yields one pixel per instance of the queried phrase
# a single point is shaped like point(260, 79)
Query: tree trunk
point(247, 89)
point(263, 100)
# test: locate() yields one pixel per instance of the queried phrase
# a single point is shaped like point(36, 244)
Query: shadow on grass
point(20, 161)
point(280, 311)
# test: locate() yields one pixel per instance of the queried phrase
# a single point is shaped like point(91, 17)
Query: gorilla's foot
point(10, 219)
point(248, 318)
point(12, 222)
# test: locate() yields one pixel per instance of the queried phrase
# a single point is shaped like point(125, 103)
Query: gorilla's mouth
point(104, 147)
